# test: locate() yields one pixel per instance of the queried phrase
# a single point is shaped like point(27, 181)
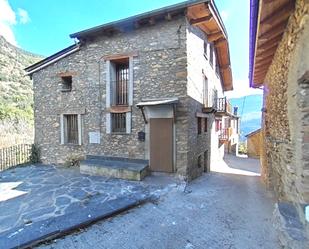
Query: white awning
point(153, 102)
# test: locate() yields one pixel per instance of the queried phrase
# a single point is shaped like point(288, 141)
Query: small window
point(218, 125)
point(206, 161)
point(71, 129)
point(118, 122)
point(205, 49)
point(205, 125)
point(199, 125)
point(199, 161)
point(66, 83)
point(211, 54)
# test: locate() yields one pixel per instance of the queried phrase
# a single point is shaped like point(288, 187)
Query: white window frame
point(109, 94)
point(62, 128)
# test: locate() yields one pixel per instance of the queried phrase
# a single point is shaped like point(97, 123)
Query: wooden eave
point(272, 22)
point(206, 17)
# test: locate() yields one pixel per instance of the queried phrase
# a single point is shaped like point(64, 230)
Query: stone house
point(254, 143)
point(146, 87)
point(279, 63)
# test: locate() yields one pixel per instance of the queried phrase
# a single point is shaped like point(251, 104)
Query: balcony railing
point(226, 133)
point(210, 101)
point(224, 106)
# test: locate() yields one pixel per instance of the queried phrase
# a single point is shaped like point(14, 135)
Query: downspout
point(254, 8)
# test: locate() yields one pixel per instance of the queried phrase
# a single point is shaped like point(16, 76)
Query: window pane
point(122, 79)
point(72, 129)
point(118, 122)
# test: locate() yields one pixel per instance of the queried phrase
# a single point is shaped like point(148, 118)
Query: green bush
point(242, 148)
point(35, 154)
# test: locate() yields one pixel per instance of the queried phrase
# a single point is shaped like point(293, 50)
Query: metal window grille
point(122, 79)
point(71, 134)
point(118, 122)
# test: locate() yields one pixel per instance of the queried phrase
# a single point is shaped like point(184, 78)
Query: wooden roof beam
point(200, 20)
point(269, 43)
point(168, 16)
point(281, 13)
point(220, 42)
point(152, 21)
point(225, 67)
point(265, 53)
point(214, 36)
point(274, 31)
point(263, 58)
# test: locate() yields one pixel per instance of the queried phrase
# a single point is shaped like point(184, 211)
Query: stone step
point(116, 167)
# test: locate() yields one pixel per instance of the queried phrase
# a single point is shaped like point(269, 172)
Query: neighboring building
point(254, 143)
point(145, 87)
point(279, 63)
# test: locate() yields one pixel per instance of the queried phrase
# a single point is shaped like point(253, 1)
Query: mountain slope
point(249, 109)
point(16, 96)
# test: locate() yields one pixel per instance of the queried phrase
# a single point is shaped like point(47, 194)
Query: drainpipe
point(254, 9)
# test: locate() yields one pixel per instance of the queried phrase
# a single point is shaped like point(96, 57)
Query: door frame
point(160, 111)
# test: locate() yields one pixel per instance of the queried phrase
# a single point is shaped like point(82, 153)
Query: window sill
point(71, 145)
point(119, 133)
point(66, 90)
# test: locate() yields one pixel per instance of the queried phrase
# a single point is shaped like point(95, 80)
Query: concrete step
point(116, 167)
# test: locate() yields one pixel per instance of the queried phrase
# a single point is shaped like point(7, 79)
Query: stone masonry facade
point(285, 114)
point(160, 69)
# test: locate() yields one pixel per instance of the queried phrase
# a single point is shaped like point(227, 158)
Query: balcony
point(224, 107)
point(210, 102)
point(225, 134)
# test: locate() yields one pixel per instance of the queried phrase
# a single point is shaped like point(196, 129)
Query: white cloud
point(23, 16)
point(241, 88)
point(224, 15)
point(8, 20)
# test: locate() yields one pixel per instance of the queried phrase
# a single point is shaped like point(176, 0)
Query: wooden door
point(161, 144)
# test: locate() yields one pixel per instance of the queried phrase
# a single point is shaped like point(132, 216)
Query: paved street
point(37, 201)
point(228, 208)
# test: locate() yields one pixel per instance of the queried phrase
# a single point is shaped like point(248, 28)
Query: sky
point(43, 27)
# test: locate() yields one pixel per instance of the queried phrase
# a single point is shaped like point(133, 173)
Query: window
point(120, 81)
point(218, 125)
point(199, 161)
point(206, 161)
point(71, 129)
point(205, 49)
point(205, 125)
point(118, 122)
point(66, 83)
point(205, 92)
point(211, 54)
point(199, 125)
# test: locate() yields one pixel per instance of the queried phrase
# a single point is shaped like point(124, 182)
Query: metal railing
point(211, 99)
point(225, 133)
point(15, 155)
point(223, 105)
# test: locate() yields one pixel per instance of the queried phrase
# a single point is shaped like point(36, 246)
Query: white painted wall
point(198, 66)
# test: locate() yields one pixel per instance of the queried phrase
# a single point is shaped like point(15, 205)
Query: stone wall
point(168, 61)
point(159, 71)
point(254, 145)
point(285, 117)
